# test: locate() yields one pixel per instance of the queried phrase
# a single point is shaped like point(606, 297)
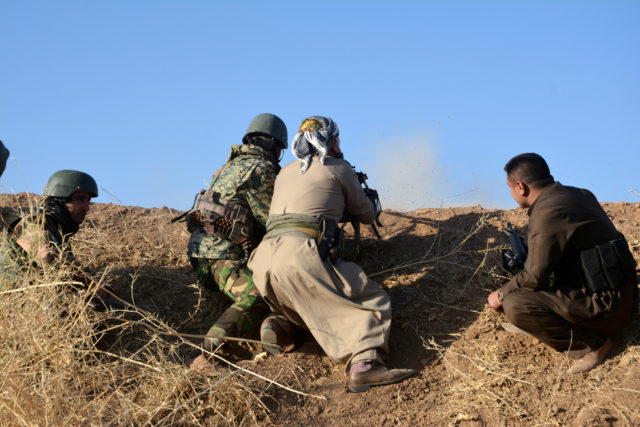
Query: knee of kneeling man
point(515, 308)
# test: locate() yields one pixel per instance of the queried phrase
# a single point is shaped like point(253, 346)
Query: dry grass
point(65, 364)
point(62, 363)
point(492, 385)
point(60, 366)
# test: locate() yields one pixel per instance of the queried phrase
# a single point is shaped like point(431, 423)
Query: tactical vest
point(223, 219)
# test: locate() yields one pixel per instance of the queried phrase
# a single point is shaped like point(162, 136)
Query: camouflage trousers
point(247, 309)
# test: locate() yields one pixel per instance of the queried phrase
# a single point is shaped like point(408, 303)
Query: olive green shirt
point(36, 235)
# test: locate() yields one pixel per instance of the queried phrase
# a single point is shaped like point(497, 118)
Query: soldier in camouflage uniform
point(229, 221)
point(44, 235)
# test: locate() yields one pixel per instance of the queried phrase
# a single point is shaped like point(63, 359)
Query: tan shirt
point(322, 191)
point(563, 221)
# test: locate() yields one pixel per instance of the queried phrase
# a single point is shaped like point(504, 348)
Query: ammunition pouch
point(329, 239)
point(607, 266)
point(225, 220)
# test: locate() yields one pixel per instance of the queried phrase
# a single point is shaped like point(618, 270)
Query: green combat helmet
point(270, 125)
point(4, 155)
point(66, 182)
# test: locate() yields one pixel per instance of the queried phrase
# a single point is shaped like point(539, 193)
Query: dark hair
point(529, 168)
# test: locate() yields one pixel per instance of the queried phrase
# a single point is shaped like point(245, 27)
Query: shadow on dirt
point(438, 269)
point(172, 297)
point(438, 273)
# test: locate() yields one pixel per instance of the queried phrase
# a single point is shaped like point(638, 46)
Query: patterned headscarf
point(314, 137)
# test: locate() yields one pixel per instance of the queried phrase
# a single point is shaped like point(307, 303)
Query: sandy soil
point(438, 265)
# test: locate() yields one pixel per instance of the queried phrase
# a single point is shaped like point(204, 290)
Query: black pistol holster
point(329, 239)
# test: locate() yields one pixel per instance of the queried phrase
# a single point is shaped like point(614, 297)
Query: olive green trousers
point(247, 309)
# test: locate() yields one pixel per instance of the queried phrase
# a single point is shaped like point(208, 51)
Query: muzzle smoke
point(409, 174)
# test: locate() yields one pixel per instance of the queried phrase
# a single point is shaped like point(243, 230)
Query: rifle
point(106, 303)
point(514, 259)
point(346, 217)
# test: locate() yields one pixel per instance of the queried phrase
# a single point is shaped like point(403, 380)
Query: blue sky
point(432, 98)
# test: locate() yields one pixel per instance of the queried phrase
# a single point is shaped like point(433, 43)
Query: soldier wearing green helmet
point(67, 196)
point(228, 221)
point(43, 236)
point(268, 126)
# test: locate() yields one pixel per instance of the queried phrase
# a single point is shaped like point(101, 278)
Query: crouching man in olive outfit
point(578, 286)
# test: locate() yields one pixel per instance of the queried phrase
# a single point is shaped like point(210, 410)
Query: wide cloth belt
point(292, 224)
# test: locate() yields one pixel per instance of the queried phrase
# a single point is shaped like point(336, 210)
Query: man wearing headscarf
point(348, 314)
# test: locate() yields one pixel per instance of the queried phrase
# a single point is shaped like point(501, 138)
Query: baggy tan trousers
point(571, 320)
point(347, 313)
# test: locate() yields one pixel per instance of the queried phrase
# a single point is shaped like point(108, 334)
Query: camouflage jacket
point(48, 238)
point(248, 181)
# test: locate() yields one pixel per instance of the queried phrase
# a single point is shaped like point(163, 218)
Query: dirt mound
point(438, 266)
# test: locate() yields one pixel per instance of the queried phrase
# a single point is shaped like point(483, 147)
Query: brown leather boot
point(276, 333)
point(591, 360)
point(364, 375)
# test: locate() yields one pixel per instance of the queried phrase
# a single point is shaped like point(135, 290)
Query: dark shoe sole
point(269, 336)
point(365, 387)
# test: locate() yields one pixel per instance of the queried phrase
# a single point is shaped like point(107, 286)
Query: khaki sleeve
point(357, 203)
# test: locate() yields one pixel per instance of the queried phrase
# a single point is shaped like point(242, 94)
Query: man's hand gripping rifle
point(514, 259)
point(373, 196)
